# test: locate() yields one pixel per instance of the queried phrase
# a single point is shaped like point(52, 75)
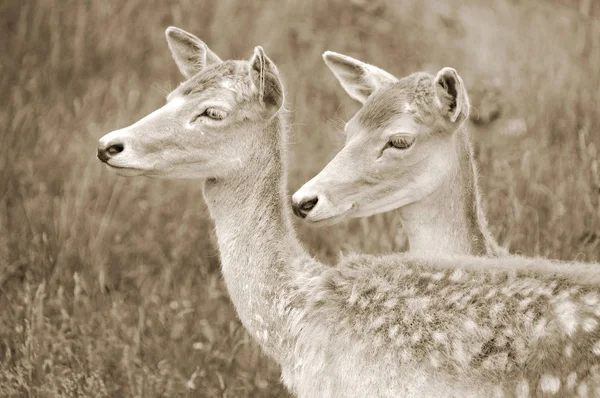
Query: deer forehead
point(216, 96)
point(402, 122)
point(230, 75)
point(409, 98)
point(382, 108)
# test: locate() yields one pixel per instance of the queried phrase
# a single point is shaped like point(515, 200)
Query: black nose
point(106, 153)
point(304, 207)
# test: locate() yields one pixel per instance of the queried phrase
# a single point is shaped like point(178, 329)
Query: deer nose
point(108, 151)
point(303, 207)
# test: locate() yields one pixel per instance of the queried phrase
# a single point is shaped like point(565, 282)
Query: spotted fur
point(520, 329)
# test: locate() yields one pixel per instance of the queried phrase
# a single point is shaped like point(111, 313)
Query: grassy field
point(111, 287)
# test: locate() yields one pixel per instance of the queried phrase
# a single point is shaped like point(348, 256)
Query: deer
point(407, 148)
point(372, 326)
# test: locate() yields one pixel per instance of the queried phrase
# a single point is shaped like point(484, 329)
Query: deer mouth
point(125, 171)
point(330, 219)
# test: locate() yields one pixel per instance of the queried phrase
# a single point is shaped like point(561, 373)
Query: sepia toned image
point(300, 198)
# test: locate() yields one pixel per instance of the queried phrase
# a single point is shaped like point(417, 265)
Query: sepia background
point(110, 287)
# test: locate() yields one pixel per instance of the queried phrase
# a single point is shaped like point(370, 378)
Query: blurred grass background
point(110, 287)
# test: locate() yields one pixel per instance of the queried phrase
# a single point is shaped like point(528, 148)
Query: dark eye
point(401, 141)
point(214, 114)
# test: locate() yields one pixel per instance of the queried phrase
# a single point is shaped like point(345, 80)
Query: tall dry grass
point(111, 287)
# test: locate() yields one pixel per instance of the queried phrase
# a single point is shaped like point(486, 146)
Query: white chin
point(125, 171)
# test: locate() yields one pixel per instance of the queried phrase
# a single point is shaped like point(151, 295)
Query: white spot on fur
point(455, 297)
point(470, 325)
point(409, 108)
point(458, 351)
point(377, 323)
point(265, 335)
point(416, 337)
point(569, 350)
point(571, 380)
point(566, 313)
point(440, 337)
point(391, 303)
point(496, 310)
point(353, 296)
point(591, 299)
point(521, 352)
point(550, 384)
point(540, 328)
point(457, 275)
point(393, 332)
point(418, 304)
point(522, 390)
point(401, 340)
point(525, 302)
point(596, 348)
point(259, 318)
point(589, 324)
point(434, 359)
point(563, 295)
point(582, 390)
point(438, 276)
point(545, 291)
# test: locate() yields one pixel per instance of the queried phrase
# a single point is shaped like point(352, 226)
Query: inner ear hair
point(448, 83)
point(266, 78)
point(259, 66)
point(451, 94)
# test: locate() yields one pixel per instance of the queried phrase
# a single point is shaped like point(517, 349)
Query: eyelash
point(401, 142)
point(214, 114)
point(211, 113)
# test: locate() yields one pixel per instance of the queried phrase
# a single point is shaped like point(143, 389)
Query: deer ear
point(265, 77)
point(190, 54)
point(359, 79)
point(451, 95)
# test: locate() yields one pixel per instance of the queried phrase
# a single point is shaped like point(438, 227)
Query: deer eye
point(214, 114)
point(401, 141)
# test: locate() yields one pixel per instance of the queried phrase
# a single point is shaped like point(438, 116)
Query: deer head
point(399, 145)
point(208, 126)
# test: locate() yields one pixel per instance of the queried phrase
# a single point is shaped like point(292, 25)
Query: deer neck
point(256, 240)
point(451, 220)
